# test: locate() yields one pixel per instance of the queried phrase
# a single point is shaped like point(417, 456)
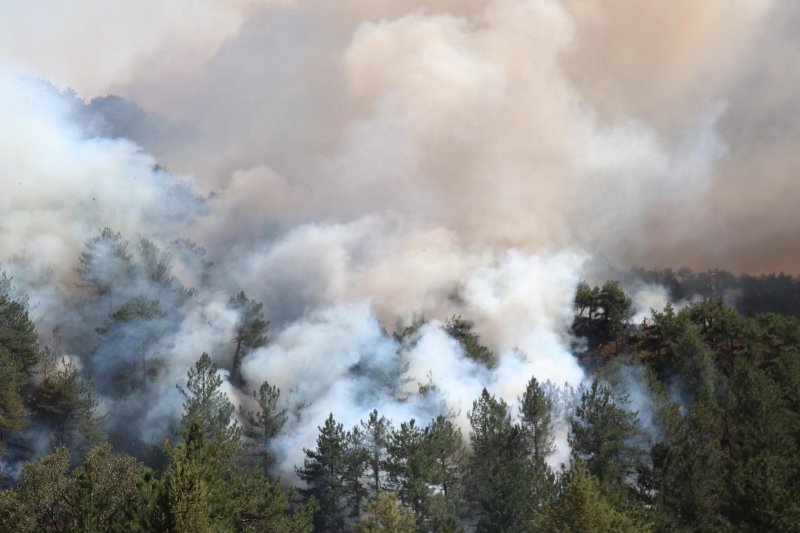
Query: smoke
point(360, 166)
point(339, 360)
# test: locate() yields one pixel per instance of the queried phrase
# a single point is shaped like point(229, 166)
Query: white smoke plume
point(360, 165)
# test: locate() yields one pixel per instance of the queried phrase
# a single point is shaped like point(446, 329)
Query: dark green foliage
point(693, 363)
point(183, 498)
point(463, 331)
point(693, 466)
point(753, 295)
point(443, 447)
point(356, 470)
point(19, 354)
point(617, 309)
point(376, 430)
point(68, 404)
point(719, 396)
point(601, 432)
point(386, 513)
point(211, 438)
point(137, 308)
point(12, 410)
point(608, 309)
point(251, 331)
point(102, 494)
point(206, 407)
point(40, 502)
point(324, 471)
point(265, 422)
point(537, 421)
point(426, 468)
point(587, 300)
point(18, 334)
point(763, 449)
point(582, 508)
point(505, 487)
point(207, 486)
point(407, 466)
point(262, 505)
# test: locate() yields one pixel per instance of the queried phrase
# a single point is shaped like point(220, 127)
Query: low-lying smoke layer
point(359, 166)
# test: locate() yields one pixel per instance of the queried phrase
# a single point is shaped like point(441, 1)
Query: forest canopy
point(687, 421)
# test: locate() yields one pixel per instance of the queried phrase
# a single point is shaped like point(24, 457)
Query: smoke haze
point(359, 165)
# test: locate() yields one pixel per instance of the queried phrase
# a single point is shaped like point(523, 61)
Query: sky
point(660, 134)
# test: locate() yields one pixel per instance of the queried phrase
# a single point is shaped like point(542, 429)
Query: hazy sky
point(656, 133)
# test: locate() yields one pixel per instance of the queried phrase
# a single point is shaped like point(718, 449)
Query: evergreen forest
point(688, 421)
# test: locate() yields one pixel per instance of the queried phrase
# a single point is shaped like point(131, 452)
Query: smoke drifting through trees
point(358, 168)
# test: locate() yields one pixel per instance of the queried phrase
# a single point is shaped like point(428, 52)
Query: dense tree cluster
point(749, 294)
point(690, 422)
point(209, 485)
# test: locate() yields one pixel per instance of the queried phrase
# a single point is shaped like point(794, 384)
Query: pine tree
point(617, 309)
point(464, 332)
point(601, 432)
point(251, 331)
point(211, 438)
point(582, 508)
point(106, 496)
point(587, 299)
point(106, 261)
point(763, 452)
point(19, 354)
point(693, 465)
point(133, 329)
point(184, 501)
point(18, 333)
point(408, 465)
point(205, 403)
point(69, 405)
point(262, 505)
point(386, 514)
point(323, 470)
point(693, 361)
point(376, 432)
point(13, 414)
point(443, 445)
point(264, 423)
point(99, 495)
point(498, 484)
point(536, 420)
point(41, 500)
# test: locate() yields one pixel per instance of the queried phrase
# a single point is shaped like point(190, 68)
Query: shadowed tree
point(463, 331)
point(69, 405)
point(105, 261)
point(376, 432)
point(250, 333)
point(443, 446)
point(324, 470)
point(500, 484)
point(601, 433)
point(386, 514)
point(265, 422)
point(536, 420)
point(581, 508)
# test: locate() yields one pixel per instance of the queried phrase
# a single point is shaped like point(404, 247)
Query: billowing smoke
point(365, 165)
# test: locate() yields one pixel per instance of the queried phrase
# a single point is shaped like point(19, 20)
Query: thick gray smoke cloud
point(361, 164)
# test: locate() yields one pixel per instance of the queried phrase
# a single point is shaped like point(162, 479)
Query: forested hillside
point(689, 421)
point(399, 265)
